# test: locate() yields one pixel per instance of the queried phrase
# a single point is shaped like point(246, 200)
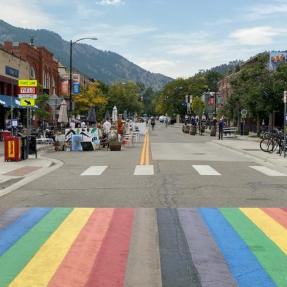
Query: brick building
point(43, 66)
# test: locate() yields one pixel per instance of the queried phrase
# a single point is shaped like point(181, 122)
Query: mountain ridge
point(106, 66)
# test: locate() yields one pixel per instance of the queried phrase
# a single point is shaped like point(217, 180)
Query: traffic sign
point(285, 97)
point(244, 113)
point(27, 90)
point(27, 83)
point(27, 96)
point(27, 102)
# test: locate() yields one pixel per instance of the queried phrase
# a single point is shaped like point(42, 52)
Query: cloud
point(110, 2)
point(260, 11)
point(25, 14)
point(255, 36)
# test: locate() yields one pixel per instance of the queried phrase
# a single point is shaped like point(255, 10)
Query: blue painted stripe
point(242, 263)
point(10, 216)
point(11, 233)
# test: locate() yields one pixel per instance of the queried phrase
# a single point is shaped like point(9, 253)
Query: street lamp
point(71, 65)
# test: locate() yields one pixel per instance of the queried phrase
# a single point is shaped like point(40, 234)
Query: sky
point(173, 37)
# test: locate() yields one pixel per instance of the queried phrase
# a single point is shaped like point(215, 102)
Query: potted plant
point(114, 143)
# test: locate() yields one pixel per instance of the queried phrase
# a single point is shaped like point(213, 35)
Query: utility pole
point(285, 121)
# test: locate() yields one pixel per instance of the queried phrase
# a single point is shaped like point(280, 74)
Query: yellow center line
point(147, 154)
point(142, 159)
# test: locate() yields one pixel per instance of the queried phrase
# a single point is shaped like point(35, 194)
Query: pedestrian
point(220, 129)
point(107, 127)
point(152, 122)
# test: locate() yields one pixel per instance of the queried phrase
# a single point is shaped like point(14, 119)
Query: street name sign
point(27, 83)
point(27, 102)
point(27, 96)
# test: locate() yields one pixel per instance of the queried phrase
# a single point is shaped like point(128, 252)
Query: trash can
point(32, 145)
point(12, 148)
point(213, 131)
point(193, 130)
point(5, 134)
point(24, 146)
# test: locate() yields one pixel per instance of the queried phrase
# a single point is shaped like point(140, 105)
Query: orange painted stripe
point(75, 269)
point(277, 214)
point(110, 266)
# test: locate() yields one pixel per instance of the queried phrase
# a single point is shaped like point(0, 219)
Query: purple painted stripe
point(206, 257)
point(10, 216)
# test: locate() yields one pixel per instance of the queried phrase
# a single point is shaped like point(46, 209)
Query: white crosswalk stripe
point(268, 171)
point(94, 170)
point(144, 170)
point(205, 170)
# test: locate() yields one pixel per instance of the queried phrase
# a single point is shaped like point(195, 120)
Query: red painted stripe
point(109, 268)
point(75, 269)
point(22, 170)
point(284, 209)
point(277, 214)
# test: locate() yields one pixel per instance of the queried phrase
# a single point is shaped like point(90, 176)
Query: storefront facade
point(12, 68)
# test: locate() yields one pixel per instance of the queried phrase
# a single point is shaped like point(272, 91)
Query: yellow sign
point(27, 83)
point(11, 149)
point(27, 102)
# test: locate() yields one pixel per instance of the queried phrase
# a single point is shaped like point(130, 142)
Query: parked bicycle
point(273, 141)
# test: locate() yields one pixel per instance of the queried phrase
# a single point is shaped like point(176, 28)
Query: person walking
point(152, 122)
point(220, 129)
point(107, 127)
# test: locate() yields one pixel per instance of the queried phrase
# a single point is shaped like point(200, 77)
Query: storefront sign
point(27, 90)
point(11, 72)
point(27, 83)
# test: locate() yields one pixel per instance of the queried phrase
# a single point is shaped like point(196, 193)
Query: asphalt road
point(177, 179)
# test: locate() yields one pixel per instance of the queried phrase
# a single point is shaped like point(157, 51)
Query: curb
point(255, 157)
point(54, 165)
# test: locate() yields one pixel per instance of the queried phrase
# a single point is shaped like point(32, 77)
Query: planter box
point(115, 146)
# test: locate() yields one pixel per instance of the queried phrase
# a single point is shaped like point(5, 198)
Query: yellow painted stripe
point(275, 231)
point(147, 154)
point(44, 264)
point(142, 160)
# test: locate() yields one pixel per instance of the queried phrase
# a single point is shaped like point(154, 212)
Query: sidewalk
point(13, 175)
point(250, 147)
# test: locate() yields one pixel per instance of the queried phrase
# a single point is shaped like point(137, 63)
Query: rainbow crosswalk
point(143, 247)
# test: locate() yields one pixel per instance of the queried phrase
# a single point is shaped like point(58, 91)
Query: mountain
point(227, 68)
point(106, 66)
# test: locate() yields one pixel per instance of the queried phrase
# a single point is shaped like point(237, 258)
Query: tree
point(126, 97)
point(198, 106)
point(92, 97)
point(42, 112)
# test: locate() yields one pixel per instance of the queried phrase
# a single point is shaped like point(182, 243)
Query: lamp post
point(71, 66)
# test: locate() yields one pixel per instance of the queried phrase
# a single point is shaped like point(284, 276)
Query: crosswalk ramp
point(201, 170)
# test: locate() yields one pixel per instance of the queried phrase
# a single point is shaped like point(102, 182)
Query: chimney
point(8, 46)
point(32, 41)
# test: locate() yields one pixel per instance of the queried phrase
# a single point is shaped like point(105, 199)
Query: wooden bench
point(231, 131)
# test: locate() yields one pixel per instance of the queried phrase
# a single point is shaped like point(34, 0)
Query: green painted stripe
point(272, 259)
point(16, 258)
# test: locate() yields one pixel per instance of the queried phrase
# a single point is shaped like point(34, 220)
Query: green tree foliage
point(42, 112)
point(92, 97)
point(172, 98)
point(198, 106)
point(125, 96)
point(257, 89)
